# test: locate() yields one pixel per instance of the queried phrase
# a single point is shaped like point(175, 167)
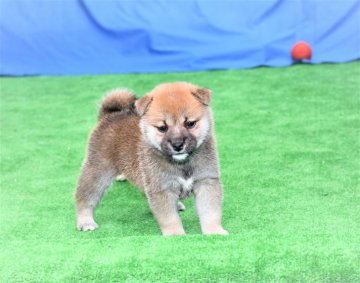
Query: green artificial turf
point(288, 140)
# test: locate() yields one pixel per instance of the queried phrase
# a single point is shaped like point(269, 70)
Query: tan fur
point(167, 166)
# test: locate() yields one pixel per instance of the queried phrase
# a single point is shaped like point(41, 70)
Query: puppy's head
point(175, 118)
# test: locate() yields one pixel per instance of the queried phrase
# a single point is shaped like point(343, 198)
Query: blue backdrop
point(95, 37)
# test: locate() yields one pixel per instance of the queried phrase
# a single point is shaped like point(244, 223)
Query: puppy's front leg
point(164, 207)
point(208, 196)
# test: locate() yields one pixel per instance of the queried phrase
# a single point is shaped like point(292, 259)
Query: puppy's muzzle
point(178, 144)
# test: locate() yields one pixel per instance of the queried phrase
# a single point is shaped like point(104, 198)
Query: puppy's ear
point(203, 95)
point(142, 104)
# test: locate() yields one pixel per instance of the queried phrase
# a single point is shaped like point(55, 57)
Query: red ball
point(301, 50)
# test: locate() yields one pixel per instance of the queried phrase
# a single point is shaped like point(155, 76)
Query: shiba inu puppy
point(162, 143)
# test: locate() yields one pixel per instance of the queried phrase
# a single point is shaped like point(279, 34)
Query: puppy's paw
point(120, 178)
point(173, 231)
point(180, 206)
point(222, 232)
point(215, 231)
point(86, 225)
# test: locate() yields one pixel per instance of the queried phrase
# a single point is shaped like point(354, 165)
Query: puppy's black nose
point(178, 145)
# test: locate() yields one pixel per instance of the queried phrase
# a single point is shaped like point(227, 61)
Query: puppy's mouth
point(180, 156)
point(176, 153)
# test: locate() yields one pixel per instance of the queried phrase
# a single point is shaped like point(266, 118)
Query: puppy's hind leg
point(93, 182)
point(180, 206)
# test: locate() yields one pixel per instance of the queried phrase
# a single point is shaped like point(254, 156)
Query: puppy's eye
point(162, 129)
point(190, 124)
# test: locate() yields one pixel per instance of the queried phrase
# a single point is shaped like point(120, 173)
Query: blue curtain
point(44, 37)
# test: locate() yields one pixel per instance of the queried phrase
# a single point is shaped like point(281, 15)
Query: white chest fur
point(186, 184)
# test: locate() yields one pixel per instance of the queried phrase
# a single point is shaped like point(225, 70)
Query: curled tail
point(117, 100)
